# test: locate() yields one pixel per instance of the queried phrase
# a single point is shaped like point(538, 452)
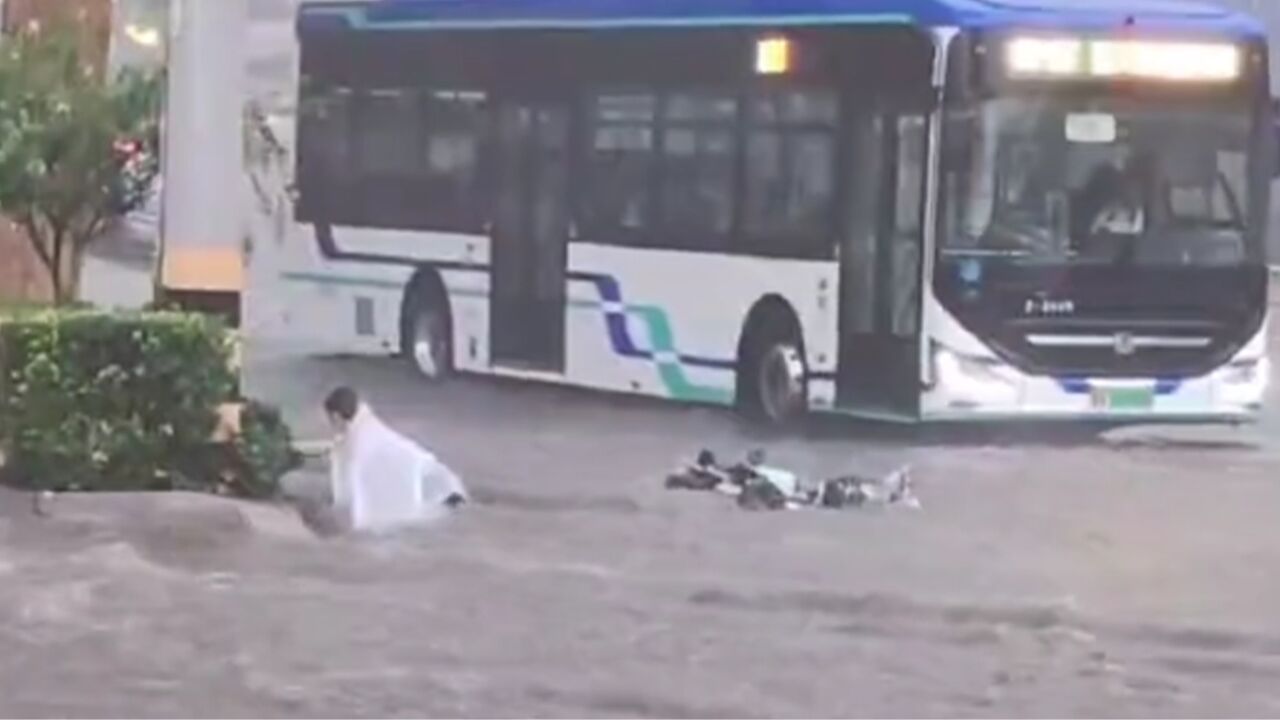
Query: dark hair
point(342, 402)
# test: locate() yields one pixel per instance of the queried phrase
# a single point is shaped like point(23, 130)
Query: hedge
point(107, 401)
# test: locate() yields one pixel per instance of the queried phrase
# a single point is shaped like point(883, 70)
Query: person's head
point(341, 407)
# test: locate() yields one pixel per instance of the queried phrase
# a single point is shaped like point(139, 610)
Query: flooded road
point(1052, 571)
point(1049, 573)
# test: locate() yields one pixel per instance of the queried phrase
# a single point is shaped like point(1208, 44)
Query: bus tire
point(426, 328)
point(772, 373)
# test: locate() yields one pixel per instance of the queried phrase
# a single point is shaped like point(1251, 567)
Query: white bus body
point(677, 323)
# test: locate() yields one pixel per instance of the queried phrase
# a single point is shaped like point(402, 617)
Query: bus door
point(880, 264)
point(529, 232)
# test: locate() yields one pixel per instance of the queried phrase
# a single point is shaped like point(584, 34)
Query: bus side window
point(908, 225)
point(699, 151)
point(617, 208)
point(790, 174)
point(860, 252)
point(450, 189)
point(324, 153)
point(388, 127)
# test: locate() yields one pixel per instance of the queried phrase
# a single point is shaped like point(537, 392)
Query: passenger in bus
point(380, 478)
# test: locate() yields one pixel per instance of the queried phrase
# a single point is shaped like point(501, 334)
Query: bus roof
point(1174, 16)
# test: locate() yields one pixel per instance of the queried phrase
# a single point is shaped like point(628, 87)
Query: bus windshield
point(1051, 180)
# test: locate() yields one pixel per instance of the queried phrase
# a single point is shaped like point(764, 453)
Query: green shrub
point(102, 401)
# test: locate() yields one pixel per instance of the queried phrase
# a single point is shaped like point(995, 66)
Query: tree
point(77, 150)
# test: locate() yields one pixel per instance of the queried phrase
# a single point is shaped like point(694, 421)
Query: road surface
point(1047, 574)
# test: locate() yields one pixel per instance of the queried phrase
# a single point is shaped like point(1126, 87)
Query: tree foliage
point(77, 150)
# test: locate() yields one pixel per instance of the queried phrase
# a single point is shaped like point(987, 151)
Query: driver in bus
point(1122, 210)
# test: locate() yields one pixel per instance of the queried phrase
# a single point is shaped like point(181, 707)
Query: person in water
point(380, 478)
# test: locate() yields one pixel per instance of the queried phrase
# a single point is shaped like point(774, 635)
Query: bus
point(922, 210)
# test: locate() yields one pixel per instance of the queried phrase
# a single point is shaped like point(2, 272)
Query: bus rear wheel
point(774, 378)
point(427, 335)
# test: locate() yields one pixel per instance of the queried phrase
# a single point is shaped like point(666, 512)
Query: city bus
point(921, 210)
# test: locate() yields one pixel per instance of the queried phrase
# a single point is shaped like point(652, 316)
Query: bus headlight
point(1246, 376)
point(972, 380)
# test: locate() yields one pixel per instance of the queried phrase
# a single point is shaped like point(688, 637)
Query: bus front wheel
point(774, 378)
point(426, 335)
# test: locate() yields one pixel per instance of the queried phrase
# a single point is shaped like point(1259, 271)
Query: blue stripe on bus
point(1082, 386)
point(620, 336)
point(357, 19)
point(1154, 15)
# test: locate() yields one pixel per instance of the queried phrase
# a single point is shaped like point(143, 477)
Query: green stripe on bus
point(346, 280)
point(372, 283)
point(672, 372)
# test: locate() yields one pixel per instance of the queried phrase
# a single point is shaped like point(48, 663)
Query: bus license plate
point(1123, 399)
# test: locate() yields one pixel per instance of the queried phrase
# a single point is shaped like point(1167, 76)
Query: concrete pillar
point(203, 220)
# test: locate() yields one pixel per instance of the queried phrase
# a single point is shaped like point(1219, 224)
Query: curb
point(175, 516)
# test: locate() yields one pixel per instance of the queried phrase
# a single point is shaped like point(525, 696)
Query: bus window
point(698, 153)
point(451, 193)
point(1210, 199)
point(859, 253)
point(324, 153)
point(616, 207)
point(791, 174)
point(908, 206)
point(1158, 185)
point(389, 124)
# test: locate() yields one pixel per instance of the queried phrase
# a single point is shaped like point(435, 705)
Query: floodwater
point(1049, 573)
